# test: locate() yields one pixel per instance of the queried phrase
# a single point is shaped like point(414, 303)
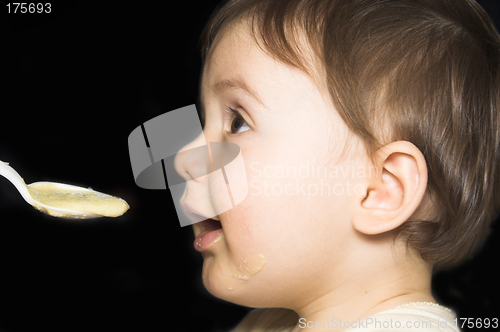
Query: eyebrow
point(224, 85)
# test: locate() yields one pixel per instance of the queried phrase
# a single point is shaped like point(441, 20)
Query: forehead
point(236, 61)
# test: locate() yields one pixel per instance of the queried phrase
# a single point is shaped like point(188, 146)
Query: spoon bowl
point(64, 200)
point(59, 212)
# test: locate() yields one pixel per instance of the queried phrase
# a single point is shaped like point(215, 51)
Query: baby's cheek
point(228, 183)
point(219, 194)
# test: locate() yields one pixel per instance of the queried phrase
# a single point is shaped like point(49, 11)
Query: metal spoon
point(26, 192)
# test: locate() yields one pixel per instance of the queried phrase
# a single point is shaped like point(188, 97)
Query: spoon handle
point(10, 174)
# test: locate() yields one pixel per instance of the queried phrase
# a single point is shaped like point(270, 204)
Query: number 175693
point(476, 322)
point(30, 8)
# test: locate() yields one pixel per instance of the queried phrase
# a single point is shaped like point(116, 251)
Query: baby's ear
point(396, 192)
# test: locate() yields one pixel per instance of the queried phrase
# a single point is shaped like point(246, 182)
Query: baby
point(369, 131)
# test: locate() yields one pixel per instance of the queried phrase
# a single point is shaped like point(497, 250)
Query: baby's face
point(292, 232)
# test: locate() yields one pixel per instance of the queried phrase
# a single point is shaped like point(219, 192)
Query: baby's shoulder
point(267, 319)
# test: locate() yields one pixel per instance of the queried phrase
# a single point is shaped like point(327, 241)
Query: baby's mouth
point(207, 232)
point(211, 233)
point(209, 225)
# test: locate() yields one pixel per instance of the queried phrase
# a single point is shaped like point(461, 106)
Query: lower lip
point(207, 238)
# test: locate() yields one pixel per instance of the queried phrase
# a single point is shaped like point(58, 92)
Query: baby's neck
point(359, 299)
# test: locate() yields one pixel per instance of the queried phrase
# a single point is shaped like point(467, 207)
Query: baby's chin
point(233, 280)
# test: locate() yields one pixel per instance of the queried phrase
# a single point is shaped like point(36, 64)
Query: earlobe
point(397, 190)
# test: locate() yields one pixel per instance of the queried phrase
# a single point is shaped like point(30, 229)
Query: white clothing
point(412, 317)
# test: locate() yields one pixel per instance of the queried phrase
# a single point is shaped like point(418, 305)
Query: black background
point(75, 83)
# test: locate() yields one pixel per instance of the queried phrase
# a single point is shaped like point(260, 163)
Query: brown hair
point(427, 70)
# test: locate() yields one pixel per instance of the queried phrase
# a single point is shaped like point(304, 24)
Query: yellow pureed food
point(250, 267)
point(86, 201)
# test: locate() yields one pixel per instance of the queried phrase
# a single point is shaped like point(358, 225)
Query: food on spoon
point(81, 200)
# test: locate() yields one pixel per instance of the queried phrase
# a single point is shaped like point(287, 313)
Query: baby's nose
point(193, 161)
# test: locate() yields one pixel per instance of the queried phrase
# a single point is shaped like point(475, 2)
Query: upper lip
point(192, 214)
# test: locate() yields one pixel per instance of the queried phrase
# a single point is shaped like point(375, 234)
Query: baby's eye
point(238, 124)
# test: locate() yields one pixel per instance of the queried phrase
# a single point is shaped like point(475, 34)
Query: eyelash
point(235, 115)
